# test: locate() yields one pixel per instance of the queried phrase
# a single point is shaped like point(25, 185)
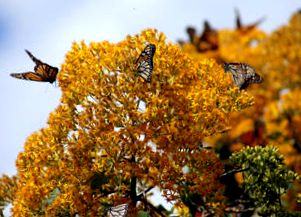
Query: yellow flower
point(111, 120)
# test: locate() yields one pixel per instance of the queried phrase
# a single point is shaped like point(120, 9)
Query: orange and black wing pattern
point(243, 75)
point(208, 39)
point(145, 62)
point(42, 71)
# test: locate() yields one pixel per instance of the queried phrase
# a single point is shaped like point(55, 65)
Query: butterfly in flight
point(118, 211)
point(246, 28)
point(145, 62)
point(243, 75)
point(42, 71)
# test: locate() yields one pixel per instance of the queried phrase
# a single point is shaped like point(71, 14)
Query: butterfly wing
point(47, 72)
point(257, 79)
point(243, 75)
point(145, 62)
point(33, 58)
point(191, 33)
point(246, 28)
point(145, 70)
point(28, 76)
point(252, 79)
point(118, 211)
point(236, 72)
point(208, 39)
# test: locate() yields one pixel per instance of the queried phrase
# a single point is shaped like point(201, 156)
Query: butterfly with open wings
point(145, 62)
point(243, 75)
point(42, 71)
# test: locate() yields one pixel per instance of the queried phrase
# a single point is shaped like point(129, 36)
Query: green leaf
point(143, 214)
point(267, 177)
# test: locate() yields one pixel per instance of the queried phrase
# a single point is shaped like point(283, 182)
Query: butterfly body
point(243, 75)
point(145, 62)
point(42, 71)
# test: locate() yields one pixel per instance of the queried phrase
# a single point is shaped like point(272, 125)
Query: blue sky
point(48, 28)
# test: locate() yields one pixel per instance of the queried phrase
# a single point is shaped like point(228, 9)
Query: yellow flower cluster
point(111, 121)
point(275, 117)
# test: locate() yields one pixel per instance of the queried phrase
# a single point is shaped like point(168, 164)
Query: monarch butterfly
point(208, 39)
point(145, 62)
point(191, 33)
point(43, 71)
point(246, 28)
point(118, 211)
point(243, 75)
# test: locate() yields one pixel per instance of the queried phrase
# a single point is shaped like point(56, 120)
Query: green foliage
point(265, 177)
point(143, 214)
